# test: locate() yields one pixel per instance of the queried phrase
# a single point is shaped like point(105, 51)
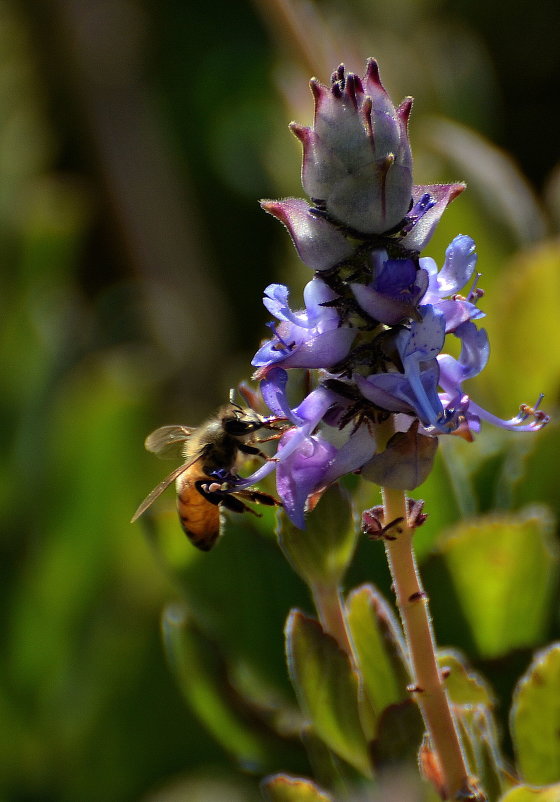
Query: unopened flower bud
point(406, 461)
point(356, 157)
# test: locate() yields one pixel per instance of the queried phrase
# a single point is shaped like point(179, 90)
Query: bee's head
point(240, 421)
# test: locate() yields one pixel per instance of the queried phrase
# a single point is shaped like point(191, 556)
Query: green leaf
point(535, 719)
point(327, 689)
point(527, 793)
point(473, 702)
point(504, 570)
point(321, 553)
point(477, 731)
point(377, 639)
point(463, 685)
point(326, 767)
point(282, 788)
point(201, 682)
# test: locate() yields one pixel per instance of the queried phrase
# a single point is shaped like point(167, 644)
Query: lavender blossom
point(376, 314)
point(310, 338)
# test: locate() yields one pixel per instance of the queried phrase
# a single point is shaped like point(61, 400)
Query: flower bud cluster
point(372, 332)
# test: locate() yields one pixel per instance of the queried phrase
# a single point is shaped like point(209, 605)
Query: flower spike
point(376, 315)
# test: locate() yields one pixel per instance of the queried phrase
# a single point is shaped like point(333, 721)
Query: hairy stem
point(428, 684)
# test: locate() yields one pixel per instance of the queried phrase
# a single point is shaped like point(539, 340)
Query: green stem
point(429, 689)
point(330, 609)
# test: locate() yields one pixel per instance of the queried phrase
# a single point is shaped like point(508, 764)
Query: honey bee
point(210, 452)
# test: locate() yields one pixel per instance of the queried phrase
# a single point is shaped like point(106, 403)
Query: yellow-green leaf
point(535, 719)
point(504, 570)
point(464, 686)
point(201, 684)
point(528, 793)
point(377, 638)
point(519, 312)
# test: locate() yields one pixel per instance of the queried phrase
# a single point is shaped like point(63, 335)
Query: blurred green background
point(135, 139)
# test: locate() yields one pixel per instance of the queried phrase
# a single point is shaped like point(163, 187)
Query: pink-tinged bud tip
point(316, 87)
point(372, 72)
point(403, 111)
point(300, 131)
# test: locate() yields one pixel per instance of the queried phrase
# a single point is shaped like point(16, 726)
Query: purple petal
point(458, 312)
point(475, 350)
point(459, 265)
point(350, 457)
point(315, 294)
point(315, 405)
point(301, 473)
point(381, 307)
point(276, 301)
point(424, 340)
point(273, 391)
point(322, 351)
point(390, 391)
point(450, 373)
point(414, 393)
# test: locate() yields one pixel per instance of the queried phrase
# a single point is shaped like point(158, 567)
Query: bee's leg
point(276, 436)
point(246, 449)
point(259, 498)
point(214, 497)
point(234, 504)
point(227, 500)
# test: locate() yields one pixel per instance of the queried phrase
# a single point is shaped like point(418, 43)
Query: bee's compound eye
point(237, 427)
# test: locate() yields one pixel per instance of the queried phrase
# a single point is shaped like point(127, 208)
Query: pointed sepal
point(320, 244)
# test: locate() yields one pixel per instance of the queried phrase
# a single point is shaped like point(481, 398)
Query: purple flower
point(395, 290)
point(306, 460)
point(415, 390)
point(376, 314)
point(458, 268)
point(309, 338)
point(475, 351)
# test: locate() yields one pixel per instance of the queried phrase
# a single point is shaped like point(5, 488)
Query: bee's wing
point(157, 491)
point(168, 441)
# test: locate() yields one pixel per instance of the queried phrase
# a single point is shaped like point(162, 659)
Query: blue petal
point(424, 340)
point(459, 265)
point(273, 391)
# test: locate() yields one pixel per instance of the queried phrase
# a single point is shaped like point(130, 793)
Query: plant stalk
point(428, 685)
